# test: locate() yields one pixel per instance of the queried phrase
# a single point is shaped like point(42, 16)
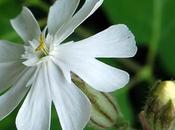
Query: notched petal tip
point(134, 51)
point(130, 37)
point(133, 46)
point(125, 80)
point(26, 25)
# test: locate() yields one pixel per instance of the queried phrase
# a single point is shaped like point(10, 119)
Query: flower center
point(42, 46)
point(36, 51)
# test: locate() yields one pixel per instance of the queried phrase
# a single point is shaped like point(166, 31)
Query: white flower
point(41, 68)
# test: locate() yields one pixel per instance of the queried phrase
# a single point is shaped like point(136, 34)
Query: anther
point(42, 46)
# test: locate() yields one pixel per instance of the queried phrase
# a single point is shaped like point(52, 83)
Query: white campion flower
point(41, 67)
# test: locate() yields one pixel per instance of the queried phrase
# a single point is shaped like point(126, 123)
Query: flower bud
point(159, 111)
point(104, 113)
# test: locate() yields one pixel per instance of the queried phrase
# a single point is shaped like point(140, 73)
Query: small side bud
point(159, 111)
point(104, 113)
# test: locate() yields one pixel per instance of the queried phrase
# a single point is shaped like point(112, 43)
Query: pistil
point(42, 46)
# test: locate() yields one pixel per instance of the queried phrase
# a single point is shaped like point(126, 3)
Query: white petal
point(10, 51)
point(10, 99)
point(36, 109)
point(71, 104)
point(60, 12)
point(89, 7)
point(97, 74)
point(65, 70)
point(33, 78)
point(115, 42)
point(8, 73)
point(32, 61)
point(10, 63)
point(26, 25)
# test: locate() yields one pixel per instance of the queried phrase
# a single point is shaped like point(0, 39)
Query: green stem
point(130, 64)
point(156, 29)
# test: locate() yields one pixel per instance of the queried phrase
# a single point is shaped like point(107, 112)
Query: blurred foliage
point(148, 19)
point(151, 21)
point(8, 10)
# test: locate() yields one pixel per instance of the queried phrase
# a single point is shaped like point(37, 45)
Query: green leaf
point(8, 10)
point(134, 13)
point(144, 18)
point(167, 41)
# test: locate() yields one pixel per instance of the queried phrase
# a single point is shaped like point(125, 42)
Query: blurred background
point(151, 21)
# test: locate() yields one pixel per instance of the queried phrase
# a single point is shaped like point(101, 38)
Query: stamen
point(42, 46)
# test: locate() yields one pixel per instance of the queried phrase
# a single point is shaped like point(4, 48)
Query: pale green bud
point(104, 113)
point(159, 112)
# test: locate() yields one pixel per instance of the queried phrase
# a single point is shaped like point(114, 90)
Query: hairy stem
point(143, 121)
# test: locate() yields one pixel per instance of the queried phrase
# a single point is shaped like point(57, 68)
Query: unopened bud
point(104, 113)
point(159, 111)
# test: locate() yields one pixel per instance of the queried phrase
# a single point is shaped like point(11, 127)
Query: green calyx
point(105, 112)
